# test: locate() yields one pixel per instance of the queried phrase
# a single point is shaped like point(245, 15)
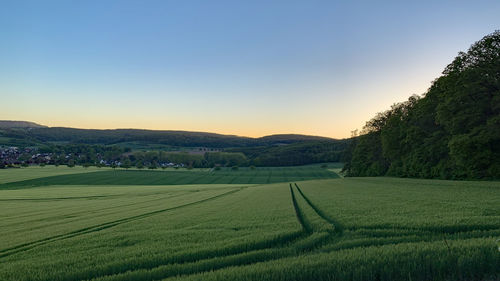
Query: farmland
point(244, 175)
point(13, 175)
point(294, 223)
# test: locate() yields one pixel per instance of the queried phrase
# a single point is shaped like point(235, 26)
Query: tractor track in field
point(98, 210)
point(238, 254)
point(298, 212)
point(338, 227)
point(335, 235)
point(262, 251)
point(93, 212)
point(26, 246)
point(438, 233)
point(256, 250)
point(59, 198)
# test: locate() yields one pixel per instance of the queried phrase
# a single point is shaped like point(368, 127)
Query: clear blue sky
point(237, 67)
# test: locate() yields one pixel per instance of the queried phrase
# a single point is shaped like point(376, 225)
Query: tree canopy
point(451, 132)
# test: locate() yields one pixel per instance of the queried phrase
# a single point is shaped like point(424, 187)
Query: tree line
point(36, 136)
point(451, 132)
point(297, 153)
point(113, 155)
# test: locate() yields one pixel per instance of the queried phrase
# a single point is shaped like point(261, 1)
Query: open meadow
point(295, 223)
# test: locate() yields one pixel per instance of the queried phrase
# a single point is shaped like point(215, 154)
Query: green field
point(239, 225)
point(172, 177)
point(33, 172)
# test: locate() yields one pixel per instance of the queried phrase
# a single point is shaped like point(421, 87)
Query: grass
point(33, 172)
point(153, 177)
point(329, 229)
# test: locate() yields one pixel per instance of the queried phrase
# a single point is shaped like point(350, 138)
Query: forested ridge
point(451, 132)
point(70, 146)
point(43, 135)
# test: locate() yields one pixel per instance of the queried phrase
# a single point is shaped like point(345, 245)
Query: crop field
point(12, 175)
point(307, 225)
point(172, 177)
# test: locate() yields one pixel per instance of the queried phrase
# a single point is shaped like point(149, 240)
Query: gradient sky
point(249, 68)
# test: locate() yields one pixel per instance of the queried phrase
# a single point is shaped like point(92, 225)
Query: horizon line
point(175, 130)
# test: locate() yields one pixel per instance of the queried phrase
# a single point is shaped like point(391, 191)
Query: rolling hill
point(28, 132)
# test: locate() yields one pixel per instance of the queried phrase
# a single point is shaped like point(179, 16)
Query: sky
point(249, 68)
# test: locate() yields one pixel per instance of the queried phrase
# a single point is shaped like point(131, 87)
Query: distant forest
point(38, 135)
point(152, 149)
point(451, 132)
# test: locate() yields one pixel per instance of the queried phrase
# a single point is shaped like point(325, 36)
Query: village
point(12, 156)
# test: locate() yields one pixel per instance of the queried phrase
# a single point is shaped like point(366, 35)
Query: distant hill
point(8, 124)
point(289, 138)
point(273, 150)
point(41, 134)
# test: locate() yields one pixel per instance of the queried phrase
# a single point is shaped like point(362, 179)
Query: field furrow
point(103, 230)
point(99, 227)
point(289, 245)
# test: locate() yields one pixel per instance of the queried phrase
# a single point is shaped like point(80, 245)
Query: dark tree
point(452, 132)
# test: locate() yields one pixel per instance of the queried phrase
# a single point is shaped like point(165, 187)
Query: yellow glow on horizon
point(321, 114)
point(244, 131)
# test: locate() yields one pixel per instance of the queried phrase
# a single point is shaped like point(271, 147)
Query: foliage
point(452, 132)
point(47, 135)
point(296, 154)
point(227, 159)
